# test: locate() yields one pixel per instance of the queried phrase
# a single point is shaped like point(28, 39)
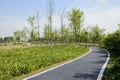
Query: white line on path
point(57, 66)
point(104, 67)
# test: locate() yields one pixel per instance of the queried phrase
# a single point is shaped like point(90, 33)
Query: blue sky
point(14, 13)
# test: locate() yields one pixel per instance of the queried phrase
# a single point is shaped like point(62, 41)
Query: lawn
point(18, 61)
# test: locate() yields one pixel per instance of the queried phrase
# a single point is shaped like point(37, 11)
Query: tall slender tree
point(62, 17)
point(31, 20)
point(76, 20)
point(46, 32)
point(17, 35)
point(38, 25)
point(50, 17)
point(24, 34)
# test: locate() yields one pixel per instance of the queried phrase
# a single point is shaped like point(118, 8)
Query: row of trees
point(7, 39)
point(73, 32)
point(91, 34)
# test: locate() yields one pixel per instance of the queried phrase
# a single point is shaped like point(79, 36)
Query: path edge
point(58, 65)
point(100, 76)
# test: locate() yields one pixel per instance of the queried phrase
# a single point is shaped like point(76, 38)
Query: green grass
point(17, 62)
point(113, 70)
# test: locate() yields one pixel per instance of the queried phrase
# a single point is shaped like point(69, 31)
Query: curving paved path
point(84, 68)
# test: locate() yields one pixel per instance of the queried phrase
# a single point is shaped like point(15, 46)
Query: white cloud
point(102, 1)
point(99, 1)
point(7, 28)
point(11, 23)
point(107, 19)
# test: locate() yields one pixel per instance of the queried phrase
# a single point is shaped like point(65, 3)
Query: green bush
point(112, 41)
point(116, 69)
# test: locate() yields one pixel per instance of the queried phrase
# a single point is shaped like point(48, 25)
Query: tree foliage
point(31, 20)
point(8, 39)
point(17, 35)
point(97, 34)
point(21, 35)
point(112, 41)
point(84, 35)
point(1, 40)
point(76, 19)
point(47, 32)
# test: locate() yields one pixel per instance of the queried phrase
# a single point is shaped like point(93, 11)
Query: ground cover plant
point(15, 62)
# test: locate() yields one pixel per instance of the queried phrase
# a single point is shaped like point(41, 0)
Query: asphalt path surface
point(85, 68)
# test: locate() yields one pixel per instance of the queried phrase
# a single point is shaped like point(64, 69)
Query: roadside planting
point(15, 62)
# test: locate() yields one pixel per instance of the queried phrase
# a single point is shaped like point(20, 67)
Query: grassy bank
point(16, 62)
point(113, 70)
